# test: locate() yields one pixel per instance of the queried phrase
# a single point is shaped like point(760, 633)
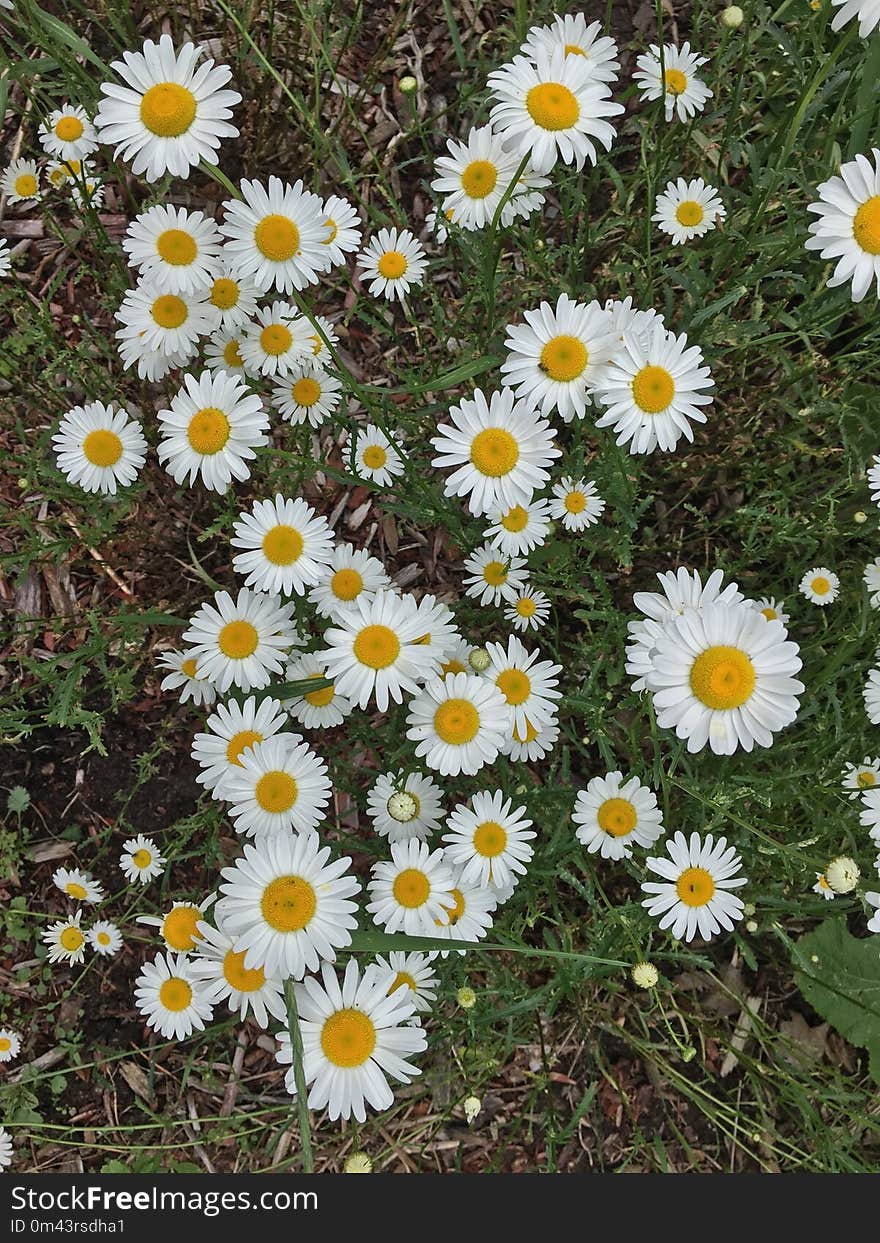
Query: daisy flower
point(688, 209)
point(492, 576)
point(848, 228)
point(534, 742)
point(104, 938)
point(869, 816)
point(88, 194)
point(518, 528)
point(223, 352)
point(78, 885)
point(771, 608)
point(212, 430)
point(278, 785)
point(20, 182)
point(474, 177)
point(376, 457)
point(500, 448)
point(171, 998)
point(528, 610)
point(393, 262)
point(99, 448)
point(68, 133)
point(571, 33)
point(653, 389)
point(277, 235)
point(723, 677)
point(626, 319)
point(860, 777)
point(344, 229)
point(576, 503)
point(177, 250)
point(355, 1037)
point(277, 342)
point(285, 545)
point(241, 642)
point(171, 114)
point(552, 108)
point(489, 839)
point(351, 575)
point(404, 806)
point(319, 709)
point(435, 227)
point(820, 586)
point(613, 815)
point(411, 972)
point(458, 659)
point(10, 1044)
point(5, 258)
point(872, 582)
point(558, 356)
point(527, 197)
point(459, 722)
point(186, 673)
point(141, 860)
point(151, 364)
point(871, 696)
point(233, 298)
point(866, 11)
point(66, 940)
point(163, 323)
point(307, 394)
point(286, 906)
point(684, 93)
point(823, 888)
point(231, 729)
point(225, 978)
point(179, 926)
point(372, 651)
point(408, 893)
point(439, 637)
point(59, 172)
point(694, 896)
point(470, 914)
point(530, 686)
point(842, 874)
point(5, 1137)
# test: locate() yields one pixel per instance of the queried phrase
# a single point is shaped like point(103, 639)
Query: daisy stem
point(299, 1078)
point(494, 251)
point(213, 171)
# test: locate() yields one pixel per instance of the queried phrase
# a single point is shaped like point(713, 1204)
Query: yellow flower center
point(375, 457)
point(348, 1037)
point(866, 225)
point(6, 1043)
point(189, 667)
point(821, 586)
point(617, 817)
point(238, 640)
point(526, 607)
point(490, 839)
point(103, 938)
point(575, 502)
point(453, 913)
point(102, 447)
point(769, 613)
point(346, 584)
point(514, 685)
point(515, 519)
point(722, 678)
point(142, 858)
point(865, 780)
point(495, 573)
point(552, 106)
point(456, 722)
point(479, 179)
point(231, 355)
point(676, 82)
point(564, 358)
point(240, 742)
point(392, 265)
point(68, 129)
point(73, 167)
point(330, 224)
point(277, 237)
point(571, 49)
point(453, 666)
point(306, 391)
point(169, 311)
point(689, 213)
point(71, 939)
point(25, 185)
point(288, 903)
point(176, 247)
point(403, 979)
point(175, 994)
point(224, 293)
point(653, 388)
point(276, 339)
point(282, 545)
point(75, 890)
point(168, 109)
point(494, 452)
point(377, 647)
point(276, 792)
point(238, 976)
point(411, 888)
point(208, 431)
point(320, 699)
point(179, 928)
point(695, 887)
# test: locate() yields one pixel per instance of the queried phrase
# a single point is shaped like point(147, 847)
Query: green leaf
point(18, 800)
point(372, 941)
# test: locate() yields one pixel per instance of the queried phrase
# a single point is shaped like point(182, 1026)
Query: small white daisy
point(411, 971)
point(163, 323)
point(771, 608)
point(241, 642)
point(408, 893)
point(694, 898)
point(459, 722)
point(99, 448)
point(376, 456)
point(860, 777)
point(372, 651)
point(344, 229)
point(179, 927)
point(176, 249)
point(530, 686)
point(285, 546)
point(185, 674)
point(823, 888)
point(68, 133)
point(676, 79)
point(848, 228)
point(225, 977)
point(307, 394)
point(223, 352)
point(318, 709)
point(535, 742)
point(351, 575)
point(230, 730)
point(232, 297)
point(66, 940)
point(470, 914)
point(688, 209)
point(492, 576)
point(78, 885)
point(528, 610)
point(614, 815)
point(517, 529)
point(171, 998)
point(576, 503)
point(10, 1044)
point(279, 784)
point(571, 33)
point(820, 586)
point(276, 342)
point(871, 578)
point(104, 938)
point(20, 182)
point(141, 860)
point(474, 177)
point(212, 430)
point(489, 839)
point(403, 806)
point(277, 235)
point(393, 262)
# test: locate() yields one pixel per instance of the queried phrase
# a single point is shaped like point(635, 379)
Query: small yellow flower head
point(358, 1163)
point(645, 975)
point(751, 925)
point(732, 17)
point(402, 807)
point(815, 5)
point(472, 1107)
point(842, 874)
point(466, 997)
point(408, 85)
point(860, 516)
point(479, 660)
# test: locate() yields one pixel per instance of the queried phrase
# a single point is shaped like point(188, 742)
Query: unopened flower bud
point(645, 975)
point(732, 17)
point(466, 997)
point(358, 1163)
point(408, 85)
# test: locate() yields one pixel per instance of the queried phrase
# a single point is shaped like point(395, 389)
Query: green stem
point(299, 1077)
point(213, 171)
point(494, 251)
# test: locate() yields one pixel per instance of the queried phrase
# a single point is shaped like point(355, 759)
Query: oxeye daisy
point(439, 636)
point(684, 93)
point(276, 235)
point(307, 394)
point(459, 722)
point(104, 938)
point(322, 708)
point(151, 364)
point(723, 677)
point(489, 840)
point(99, 448)
point(848, 228)
point(66, 940)
point(5, 1137)
point(458, 658)
point(20, 182)
point(78, 885)
point(354, 1039)
point(89, 193)
point(688, 209)
point(172, 999)
point(403, 806)
point(869, 816)
point(474, 177)
point(141, 860)
point(413, 972)
point(500, 449)
point(820, 586)
point(393, 262)
point(177, 250)
point(225, 977)
point(376, 456)
point(287, 906)
point(233, 298)
point(5, 258)
point(626, 319)
point(558, 356)
point(409, 891)
point(469, 915)
point(823, 888)
point(867, 12)
point(613, 815)
point(344, 229)
point(571, 33)
point(68, 133)
point(277, 342)
point(518, 528)
point(185, 674)
point(529, 685)
point(576, 503)
point(435, 227)
point(694, 896)
point(178, 927)
point(552, 108)
point(527, 196)
point(212, 430)
point(528, 610)
point(241, 642)
point(860, 777)
point(285, 545)
point(352, 575)
point(534, 742)
point(58, 173)
point(10, 1044)
point(372, 651)
point(771, 608)
point(871, 696)
point(492, 576)
point(278, 785)
point(230, 730)
point(164, 323)
point(223, 352)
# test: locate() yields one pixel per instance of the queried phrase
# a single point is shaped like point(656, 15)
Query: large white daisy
point(848, 228)
point(172, 999)
point(409, 891)
point(246, 989)
point(393, 262)
point(474, 177)
point(405, 805)
point(163, 323)
point(676, 79)
point(694, 898)
point(277, 235)
point(373, 651)
point(351, 575)
point(489, 839)
point(241, 642)
point(212, 430)
point(492, 576)
point(176, 249)
point(530, 686)
point(517, 529)
point(229, 731)
point(285, 546)
point(571, 33)
point(99, 448)
point(278, 785)
point(459, 723)
point(307, 394)
point(277, 342)
point(323, 708)
point(68, 133)
point(613, 815)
